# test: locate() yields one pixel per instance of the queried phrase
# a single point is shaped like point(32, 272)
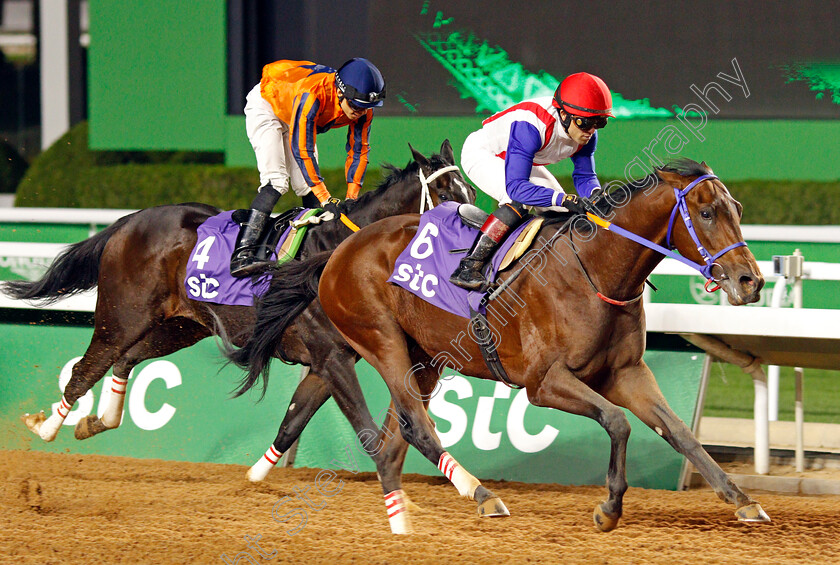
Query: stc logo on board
point(135, 404)
point(484, 439)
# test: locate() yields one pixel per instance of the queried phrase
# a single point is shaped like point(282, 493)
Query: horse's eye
point(443, 196)
point(706, 214)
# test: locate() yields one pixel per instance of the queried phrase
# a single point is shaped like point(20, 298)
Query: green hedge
point(12, 168)
point(68, 174)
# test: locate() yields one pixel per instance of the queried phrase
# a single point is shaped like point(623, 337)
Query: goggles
point(585, 123)
point(356, 98)
point(355, 107)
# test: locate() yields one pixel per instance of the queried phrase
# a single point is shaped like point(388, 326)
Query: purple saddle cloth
point(208, 268)
point(424, 267)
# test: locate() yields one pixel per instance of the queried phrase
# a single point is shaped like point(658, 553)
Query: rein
point(705, 270)
point(425, 195)
point(604, 297)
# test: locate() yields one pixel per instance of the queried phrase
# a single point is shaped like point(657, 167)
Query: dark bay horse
point(141, 317)
point(576, 339)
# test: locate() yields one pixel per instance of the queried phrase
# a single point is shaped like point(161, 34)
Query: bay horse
point(576, 341)
point(149, 316)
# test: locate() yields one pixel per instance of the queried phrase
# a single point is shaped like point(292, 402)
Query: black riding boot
point(243, 261)
point(469, 274)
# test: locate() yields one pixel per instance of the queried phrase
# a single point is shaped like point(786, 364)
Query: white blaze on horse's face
point(456, 180)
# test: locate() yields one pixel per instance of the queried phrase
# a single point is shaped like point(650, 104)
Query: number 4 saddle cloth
point(208, 276)
point(442, 240)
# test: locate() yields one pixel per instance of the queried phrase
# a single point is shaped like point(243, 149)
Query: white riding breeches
point(270, 139)
point(486, 170)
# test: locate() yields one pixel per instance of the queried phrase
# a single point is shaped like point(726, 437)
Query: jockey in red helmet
point(506, 159)
point(295, 101)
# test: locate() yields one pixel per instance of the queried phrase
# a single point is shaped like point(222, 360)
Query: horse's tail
point(293, 287)
point(74, 270)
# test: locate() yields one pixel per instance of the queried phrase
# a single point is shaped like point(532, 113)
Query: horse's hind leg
point(309, 396)
point(98, 358)
point(386, 447)
point(635, 388)
point(171, 336)
point(409, 387)
point(562, 390)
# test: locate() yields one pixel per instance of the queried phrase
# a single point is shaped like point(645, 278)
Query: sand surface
point(64, 508)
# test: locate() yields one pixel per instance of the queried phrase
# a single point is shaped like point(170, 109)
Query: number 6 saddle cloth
point(442, 240)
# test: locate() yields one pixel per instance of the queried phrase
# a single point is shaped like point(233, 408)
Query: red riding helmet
point(583, 94)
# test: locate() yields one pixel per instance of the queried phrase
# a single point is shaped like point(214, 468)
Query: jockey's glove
point(576, 204)
point(331, 206)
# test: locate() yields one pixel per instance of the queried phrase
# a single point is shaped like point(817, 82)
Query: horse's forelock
point(394, 176)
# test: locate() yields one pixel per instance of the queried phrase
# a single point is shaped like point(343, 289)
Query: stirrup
point(469, 277)
point(245, 263)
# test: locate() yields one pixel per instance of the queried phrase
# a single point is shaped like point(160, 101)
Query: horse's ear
point(419, 157)
point(446, 152)
point(674, 179)
point(707, 167)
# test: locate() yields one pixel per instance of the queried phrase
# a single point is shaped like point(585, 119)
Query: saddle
point(290, 226)
point(475, 217)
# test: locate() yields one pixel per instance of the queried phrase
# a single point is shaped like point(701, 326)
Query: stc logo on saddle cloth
point(421, 249)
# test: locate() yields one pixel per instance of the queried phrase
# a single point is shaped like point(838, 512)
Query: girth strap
point(484, 340)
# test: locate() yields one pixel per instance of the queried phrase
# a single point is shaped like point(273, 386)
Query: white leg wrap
point(112, 416)
point(463, 481)
point(266, 463)
point(49, 429)
point(397, 512)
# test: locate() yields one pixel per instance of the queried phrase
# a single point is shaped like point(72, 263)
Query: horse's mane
point(682, 166)
point(396, 175)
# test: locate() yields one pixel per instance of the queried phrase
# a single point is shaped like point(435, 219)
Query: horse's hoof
point(752, 513)
point(34, 421)
point(410, 506)
point(493, 508)
point(89, 426)
point(259, 470)
point(604, 521)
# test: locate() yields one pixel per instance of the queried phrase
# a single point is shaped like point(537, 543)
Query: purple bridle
point(682, 207)
point(705, 270)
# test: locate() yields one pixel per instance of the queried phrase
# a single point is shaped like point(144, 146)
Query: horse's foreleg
point(635, 388)
point(560, 389)
point(309, 396)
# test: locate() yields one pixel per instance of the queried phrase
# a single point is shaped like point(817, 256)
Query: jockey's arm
point(357, 148)
point(302, 132)
point(523, 144)
point(584, 172)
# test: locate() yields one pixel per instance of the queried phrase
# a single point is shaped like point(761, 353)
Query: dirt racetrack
point(63, 508)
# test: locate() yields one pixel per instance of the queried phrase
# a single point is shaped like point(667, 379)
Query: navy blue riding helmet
point(361, 83)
